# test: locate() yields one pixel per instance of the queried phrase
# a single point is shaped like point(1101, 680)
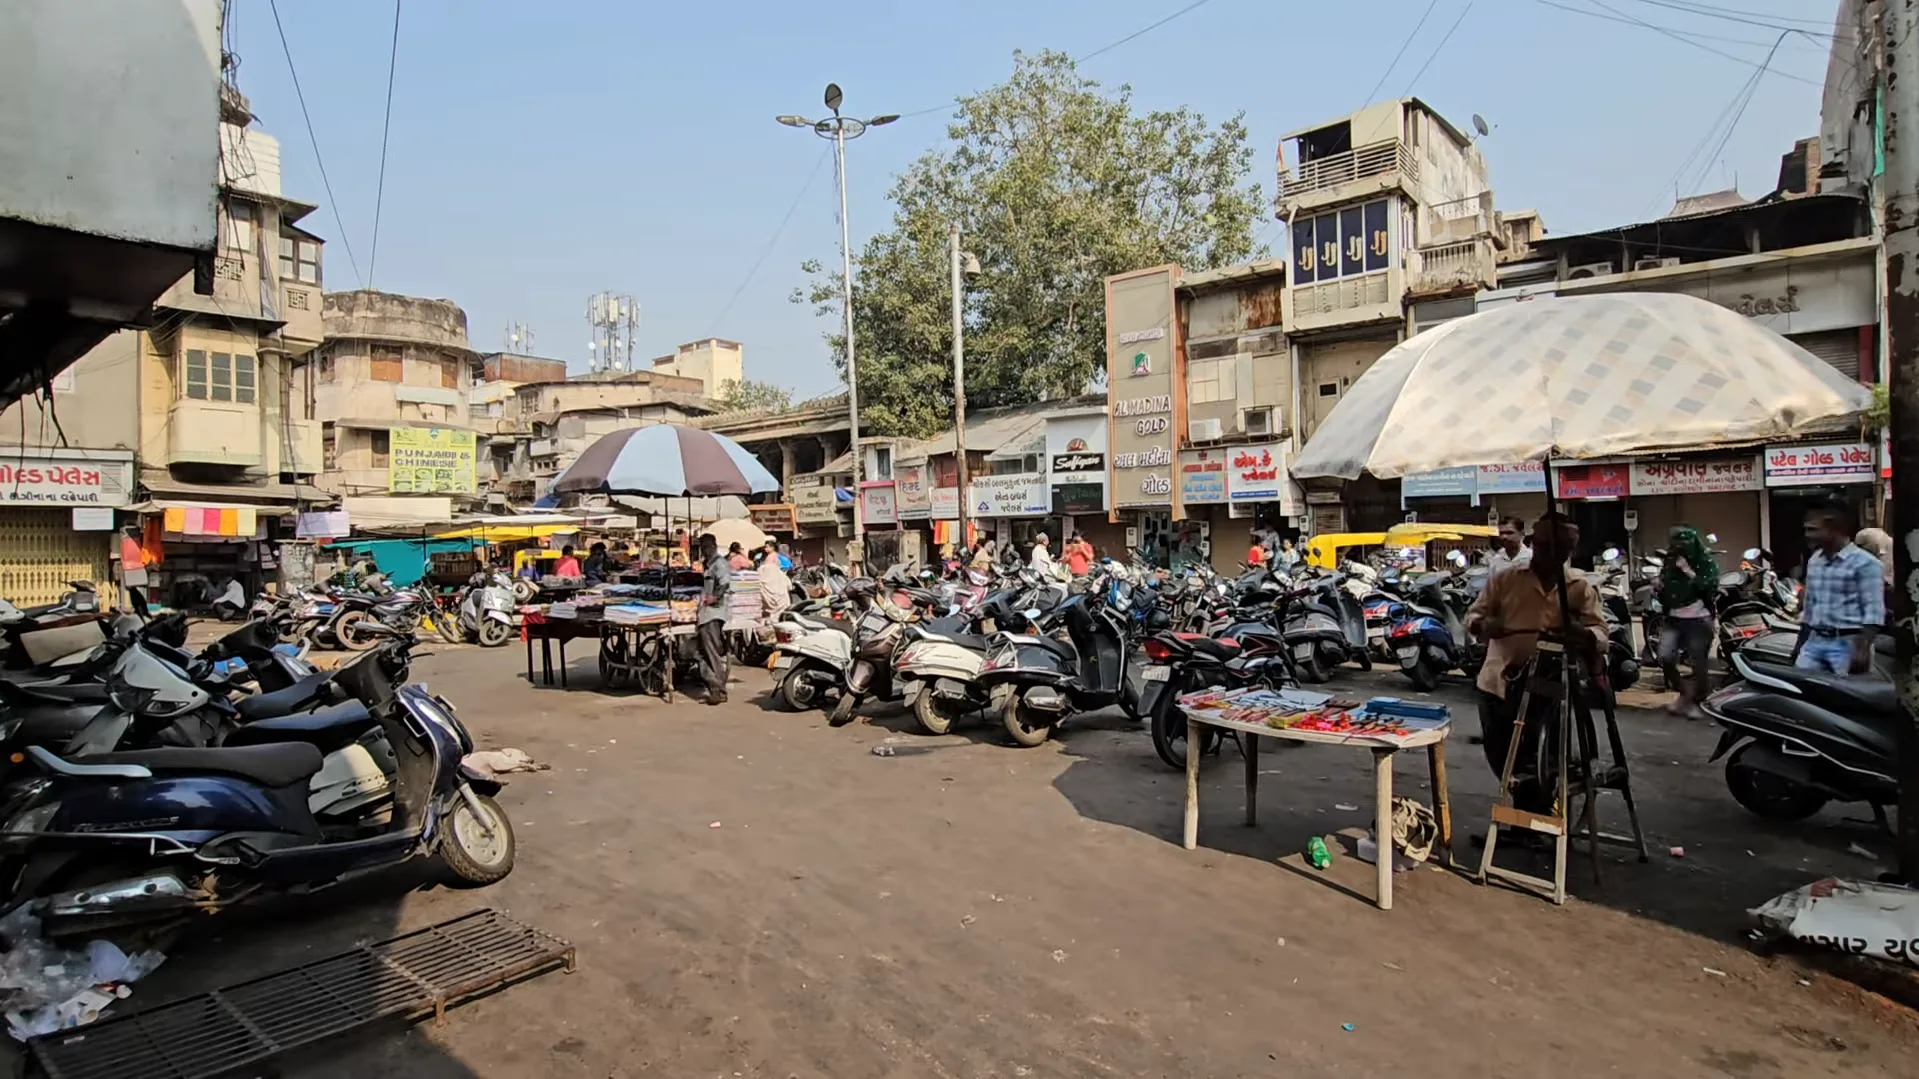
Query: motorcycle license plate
point(1156, 673)
point(1377, 633)
point(782, 662)
point(1409, 652)
point(1303, 651)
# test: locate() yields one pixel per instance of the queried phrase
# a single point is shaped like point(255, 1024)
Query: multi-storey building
point(713, 361)
point(204, 419)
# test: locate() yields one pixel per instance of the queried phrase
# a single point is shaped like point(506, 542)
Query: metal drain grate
point(408, 977)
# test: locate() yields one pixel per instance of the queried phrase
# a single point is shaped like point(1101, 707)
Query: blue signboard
point(1352, 242)
point(1326, 226)
point(1306, 251)
point(1445, 483)
point(1378, 242)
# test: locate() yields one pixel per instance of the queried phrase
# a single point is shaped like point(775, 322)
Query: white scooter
point(939, 676)
point(487, 612)
point(811, 659)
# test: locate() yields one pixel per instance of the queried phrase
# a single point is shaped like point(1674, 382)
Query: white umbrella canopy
point(1577, 376)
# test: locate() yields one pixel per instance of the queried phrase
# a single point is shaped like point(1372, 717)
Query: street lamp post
point(839, 129)
point(965, 266)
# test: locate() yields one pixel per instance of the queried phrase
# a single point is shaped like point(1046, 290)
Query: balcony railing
point(1358, 163)
point(1458, 221)
point(1454, 266)
point(1367, 290)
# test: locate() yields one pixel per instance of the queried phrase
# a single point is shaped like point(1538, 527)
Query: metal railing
point(1358, 163)
point(1448, 265)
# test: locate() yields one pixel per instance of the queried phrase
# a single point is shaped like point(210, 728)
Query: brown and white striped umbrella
point(666, 459)
point(1577, 376)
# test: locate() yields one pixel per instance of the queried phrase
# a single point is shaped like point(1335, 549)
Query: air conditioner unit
point(1204, 430)
point(1653, 263)
point(1256, 421)
point(1591, 269)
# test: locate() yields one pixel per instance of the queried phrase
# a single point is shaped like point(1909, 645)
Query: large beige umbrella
point(1577, 376)
point(735, 530)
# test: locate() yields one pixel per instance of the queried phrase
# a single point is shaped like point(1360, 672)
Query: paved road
point(755, 894)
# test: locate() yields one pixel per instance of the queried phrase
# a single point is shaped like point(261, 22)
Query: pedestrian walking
point(1688, 582)
point(1041, 560)
point(855, 557)
point(1845, 604)
point(1509, 547)
point(716, 585)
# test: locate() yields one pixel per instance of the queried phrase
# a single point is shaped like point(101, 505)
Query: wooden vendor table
point(551, 632)
point(1383, 749)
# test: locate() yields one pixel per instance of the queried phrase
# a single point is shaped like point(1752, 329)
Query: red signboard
point(1593, 481)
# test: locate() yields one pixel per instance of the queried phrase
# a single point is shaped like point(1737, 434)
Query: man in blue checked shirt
point(1845, 603)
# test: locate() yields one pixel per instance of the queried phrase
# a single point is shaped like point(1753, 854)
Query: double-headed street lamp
point(839, 129)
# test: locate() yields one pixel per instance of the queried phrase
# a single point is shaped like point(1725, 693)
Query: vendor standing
point(716, 585)
point(1845, 603)
point(1518, 604)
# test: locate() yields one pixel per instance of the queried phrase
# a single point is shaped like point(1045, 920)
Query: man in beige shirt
point(1516, 606)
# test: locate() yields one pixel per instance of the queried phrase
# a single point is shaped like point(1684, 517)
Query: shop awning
point(164, 488)
point(507, 533)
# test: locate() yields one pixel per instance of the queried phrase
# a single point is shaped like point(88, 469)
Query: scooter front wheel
point(351, 636)
point(845, 711)
point(477, 846)
point(1425, 675)
point(1772, 797)
point(798, 692)
point(494, 633)
point(935, 715)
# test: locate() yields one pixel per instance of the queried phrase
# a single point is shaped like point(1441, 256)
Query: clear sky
point(543, 152)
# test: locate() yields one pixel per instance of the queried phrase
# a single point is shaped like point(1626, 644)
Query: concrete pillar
point(786, 464)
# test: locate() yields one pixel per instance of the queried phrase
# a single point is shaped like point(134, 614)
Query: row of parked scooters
point(144, 783)
point(360, 613)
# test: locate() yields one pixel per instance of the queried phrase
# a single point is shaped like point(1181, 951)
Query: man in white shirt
point(1041, 560)
point(1510, 549)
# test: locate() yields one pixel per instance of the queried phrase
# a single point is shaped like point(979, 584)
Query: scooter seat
point(1217, 649)
point(282, 702)
point(270, 766)
point(327, 729)
point(974, 641)
point(55, 694)
point(1857, 696)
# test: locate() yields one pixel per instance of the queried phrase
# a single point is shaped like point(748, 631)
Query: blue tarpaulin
point(402, 560)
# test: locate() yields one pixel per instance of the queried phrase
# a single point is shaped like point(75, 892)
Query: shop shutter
point(1839, 348)
point(40, 552)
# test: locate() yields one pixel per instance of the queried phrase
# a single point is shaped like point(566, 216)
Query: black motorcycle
point(1036, 680)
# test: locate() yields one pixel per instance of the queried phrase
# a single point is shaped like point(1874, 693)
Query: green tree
point(1056, 183)
point(737, 394)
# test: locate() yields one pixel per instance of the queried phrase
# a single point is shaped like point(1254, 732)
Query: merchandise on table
point(637, 614)
point(1299, 710)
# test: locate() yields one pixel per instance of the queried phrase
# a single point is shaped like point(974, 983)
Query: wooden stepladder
point(1553, 675)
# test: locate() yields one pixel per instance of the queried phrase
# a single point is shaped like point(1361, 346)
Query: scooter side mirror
point(1750, 554)
point(1610, 554)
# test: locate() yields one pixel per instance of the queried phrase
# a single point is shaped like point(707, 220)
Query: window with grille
point(219, 376)
point(388, 366)
point(381, 447)
point(1212, 380)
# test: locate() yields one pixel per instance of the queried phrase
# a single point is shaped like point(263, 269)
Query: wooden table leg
point(1193, 742)
point(1251, 743)
point(1442, 799)
point(1383, 824)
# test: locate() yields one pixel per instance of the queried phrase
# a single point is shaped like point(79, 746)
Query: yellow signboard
point(430, 460)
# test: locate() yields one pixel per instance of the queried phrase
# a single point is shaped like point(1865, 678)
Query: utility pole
point(1900, 320)
point(959, 379)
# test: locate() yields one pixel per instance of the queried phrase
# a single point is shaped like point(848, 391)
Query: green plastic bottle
point(1317, 853)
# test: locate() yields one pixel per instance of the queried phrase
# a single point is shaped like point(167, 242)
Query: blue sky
point(543, 152)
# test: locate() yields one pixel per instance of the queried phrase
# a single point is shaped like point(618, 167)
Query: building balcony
point(1347, 176)
point(1457, 221)
point(543, 447)
point(1457, 267)
point(214, 433)
point(303, 444)
point(1350, 301)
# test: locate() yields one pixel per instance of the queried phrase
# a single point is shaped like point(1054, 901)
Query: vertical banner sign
point(430, 460)
point(1144, 414)
point(1352, 242)
point(1327, 228)
point(1378, 240)
point(1305, 251)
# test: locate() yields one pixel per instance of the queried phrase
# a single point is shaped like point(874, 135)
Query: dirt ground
point(754, 894)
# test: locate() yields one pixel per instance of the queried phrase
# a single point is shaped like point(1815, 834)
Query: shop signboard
point(1444, 483)
point(1593, 481)
point(1076, 463)
point(1202, 477)
point(325, 524)
point(1021, 494)
point(815, 505)
point(1256, 473)
point(1803, 466)
point(1070, 499)
point(913, 491)
point(1526, 478)
point(772, 517)
point(430, 461)
point(1144, 412)
point(1710, 476)
point(945, 503)
point(879, 504)
point(32, 479)
point(93, 518)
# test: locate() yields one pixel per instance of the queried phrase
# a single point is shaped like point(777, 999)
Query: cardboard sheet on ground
point(1850, 916)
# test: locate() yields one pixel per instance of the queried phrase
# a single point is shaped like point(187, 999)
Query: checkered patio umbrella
point(1577, 376)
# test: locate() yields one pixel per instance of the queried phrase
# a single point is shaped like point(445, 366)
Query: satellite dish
point(833, 96)
point(1479, 125)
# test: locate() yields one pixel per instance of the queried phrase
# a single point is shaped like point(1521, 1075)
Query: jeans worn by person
point(1689, 639)
point(1844, 599)
point(1828, 655)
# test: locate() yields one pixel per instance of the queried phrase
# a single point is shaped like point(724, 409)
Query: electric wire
point(300, 95)
point(772, 240)
point(1439, 48)
point(386, 129)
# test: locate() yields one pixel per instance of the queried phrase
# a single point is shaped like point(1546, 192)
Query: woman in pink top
point(568, 566)
point(1079, 555)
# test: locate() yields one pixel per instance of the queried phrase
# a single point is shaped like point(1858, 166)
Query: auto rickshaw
point(1421, 534)
point(1328, 550)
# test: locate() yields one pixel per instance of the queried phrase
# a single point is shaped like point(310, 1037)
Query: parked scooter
point(1430, 639)
point(1325, 626)
point(155, 836)
point(876, 635)
point(1037, 680)
point(811, 659)
point(487, 613)
point(1799, 739)
point(1246, 654)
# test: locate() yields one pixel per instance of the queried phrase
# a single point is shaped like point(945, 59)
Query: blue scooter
point(148, 837)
